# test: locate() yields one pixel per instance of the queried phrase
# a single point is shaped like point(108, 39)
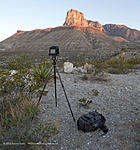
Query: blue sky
point(32, 14)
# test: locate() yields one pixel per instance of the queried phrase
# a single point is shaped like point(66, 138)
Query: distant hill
point(122, 31)
point(74, 42)
point(78, 38)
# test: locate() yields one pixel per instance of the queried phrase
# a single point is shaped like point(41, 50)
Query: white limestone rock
point(68, 67)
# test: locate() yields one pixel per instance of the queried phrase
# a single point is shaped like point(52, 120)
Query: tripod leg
point(45, 84)
point(65, 94)
point(55, 84)
point(43, 89)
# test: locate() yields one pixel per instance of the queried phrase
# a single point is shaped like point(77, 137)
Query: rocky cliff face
point(122, 31)
point(76, 18)
point(96, 25)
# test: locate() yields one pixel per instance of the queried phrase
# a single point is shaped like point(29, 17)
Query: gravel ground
point(118, 101)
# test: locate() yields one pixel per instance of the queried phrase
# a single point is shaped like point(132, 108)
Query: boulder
point(68, 67)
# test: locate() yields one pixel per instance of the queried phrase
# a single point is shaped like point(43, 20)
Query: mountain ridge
point(77, 39)
point(75, 17)
point(75, 42)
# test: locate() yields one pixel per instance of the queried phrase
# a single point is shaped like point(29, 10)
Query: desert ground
point(118, 100)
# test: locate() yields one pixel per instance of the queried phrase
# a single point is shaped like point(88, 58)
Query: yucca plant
point(40, 71)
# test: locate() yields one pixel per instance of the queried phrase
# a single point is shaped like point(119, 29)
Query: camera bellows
point(92, 121)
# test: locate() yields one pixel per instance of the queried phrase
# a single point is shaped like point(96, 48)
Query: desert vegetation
point(103, 69)
point(20, 88)
point(117, 65)
point(84, 102)
point(21, 83)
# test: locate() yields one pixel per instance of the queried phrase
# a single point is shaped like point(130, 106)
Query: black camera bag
point(92, 121)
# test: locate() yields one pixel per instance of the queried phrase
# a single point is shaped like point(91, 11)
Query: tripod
point(54, 66)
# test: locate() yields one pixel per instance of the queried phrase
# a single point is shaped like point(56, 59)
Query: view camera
point(54, 51)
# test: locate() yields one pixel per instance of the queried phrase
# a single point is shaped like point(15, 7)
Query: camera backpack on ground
point(92, 121)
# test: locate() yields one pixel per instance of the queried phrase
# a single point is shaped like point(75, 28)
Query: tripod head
point(54, 60)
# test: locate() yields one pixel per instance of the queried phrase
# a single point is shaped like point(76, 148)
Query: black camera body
point(54, 51)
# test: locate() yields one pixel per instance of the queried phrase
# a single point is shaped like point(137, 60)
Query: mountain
point(75, 42)
point(122, 31)
point(75, 18)
point(78, 39)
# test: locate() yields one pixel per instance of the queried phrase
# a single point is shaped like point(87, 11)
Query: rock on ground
point(68, 67)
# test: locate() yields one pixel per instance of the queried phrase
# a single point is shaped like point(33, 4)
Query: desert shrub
point(85, 77)
point(133, 61)
point(60, 64)
point(119, 63)
point(123, 49)
point(89, 71)
point(99, 67)
point(116, 65)
point(120, 66)
point(95, 92)
point(19, 92)
point(84, 102)
point(19, 63)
